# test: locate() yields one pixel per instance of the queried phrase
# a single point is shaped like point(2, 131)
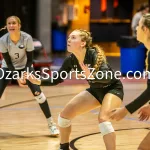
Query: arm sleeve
point(6, 56)
point(139, 101)
point(56, 79)
point(29, 60)
point(8, 61)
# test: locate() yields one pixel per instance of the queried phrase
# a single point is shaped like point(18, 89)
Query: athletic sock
point(64, 146)
point(45, 108)
point(50, 121)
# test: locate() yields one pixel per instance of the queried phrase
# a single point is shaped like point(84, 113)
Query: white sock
point(50, 121)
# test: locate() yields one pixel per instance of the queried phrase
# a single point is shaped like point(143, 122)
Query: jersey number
point(17, 55)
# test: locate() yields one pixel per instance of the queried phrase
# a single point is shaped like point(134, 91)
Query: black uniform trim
point(139, 101)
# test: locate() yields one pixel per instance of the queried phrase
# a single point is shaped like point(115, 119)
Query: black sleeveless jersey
point(102, 78)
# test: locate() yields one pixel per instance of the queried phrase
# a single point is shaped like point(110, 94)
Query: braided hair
point(86, 36)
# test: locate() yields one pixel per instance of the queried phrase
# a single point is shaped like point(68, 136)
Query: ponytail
point(3, 28)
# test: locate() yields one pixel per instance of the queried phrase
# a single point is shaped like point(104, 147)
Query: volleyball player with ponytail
point(143, 36)
point(17, 50)
point(104, 91)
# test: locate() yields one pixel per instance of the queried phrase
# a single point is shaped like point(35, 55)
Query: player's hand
point(144, 113)
point(22, 82)
point(31, 78)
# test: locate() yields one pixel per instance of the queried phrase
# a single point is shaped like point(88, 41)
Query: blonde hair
point(146, 61)
point(146, 23)
point(3, 28)
point(86, 36)
point(16, 18)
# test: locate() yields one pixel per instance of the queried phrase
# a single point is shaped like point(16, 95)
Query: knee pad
point(63, 123)
point(106, 128)
point(40, 98)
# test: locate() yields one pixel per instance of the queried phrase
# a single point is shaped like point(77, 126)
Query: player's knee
point(40, 98)
point(102, 118)
point(63, 122)
point(70, 111)
point(106, 128)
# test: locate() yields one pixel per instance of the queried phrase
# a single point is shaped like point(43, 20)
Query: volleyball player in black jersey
point(105, 90)
point(143, 35)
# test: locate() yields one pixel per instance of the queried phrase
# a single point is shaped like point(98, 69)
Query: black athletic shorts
point(115, 88)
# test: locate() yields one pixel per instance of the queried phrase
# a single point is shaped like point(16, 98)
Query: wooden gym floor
point(24, 127)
